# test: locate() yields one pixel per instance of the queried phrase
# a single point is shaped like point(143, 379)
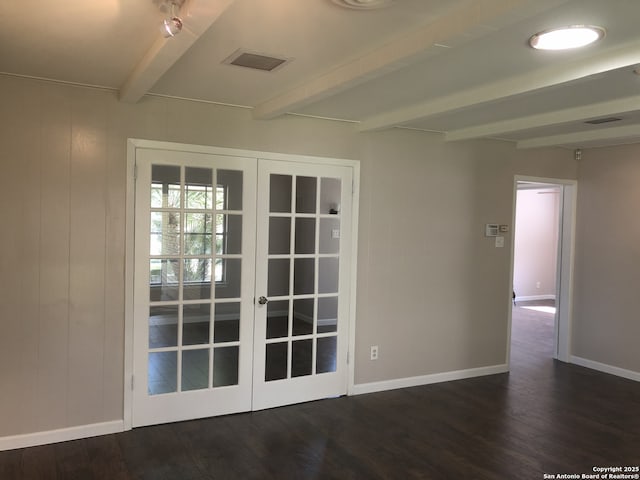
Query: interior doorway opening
point(542, 266)
point(536, 244)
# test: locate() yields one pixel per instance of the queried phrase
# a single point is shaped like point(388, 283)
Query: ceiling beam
point(603, 61)
point(581, 138)
point(387, 58)
point(567, 115)
point(197, 17)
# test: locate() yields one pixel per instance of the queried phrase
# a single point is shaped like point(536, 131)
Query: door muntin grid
point(195, 259)
point(302, 276)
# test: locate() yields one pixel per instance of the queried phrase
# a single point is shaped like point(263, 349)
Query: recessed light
point(564, 38)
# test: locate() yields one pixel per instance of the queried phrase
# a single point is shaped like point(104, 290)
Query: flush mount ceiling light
point(564, 38)
point(363, 4)
point(172, 25)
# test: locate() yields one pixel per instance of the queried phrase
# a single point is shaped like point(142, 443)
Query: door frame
point(133, 145)
point(564, 264)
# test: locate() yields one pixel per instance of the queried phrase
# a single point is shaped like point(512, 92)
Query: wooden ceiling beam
point(197, 17)
point(387, 58)
point(631, 133)
point(605, 60)
point(567, 115)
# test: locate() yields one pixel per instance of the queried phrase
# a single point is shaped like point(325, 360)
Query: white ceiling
point(460, 67)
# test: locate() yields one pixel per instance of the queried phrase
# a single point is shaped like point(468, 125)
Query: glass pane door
point(302, 282)
point(242, 284)
point(194, 257)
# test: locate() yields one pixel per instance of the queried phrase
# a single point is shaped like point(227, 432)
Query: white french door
point(194, 280)
point(241, 284)
point(302, 283)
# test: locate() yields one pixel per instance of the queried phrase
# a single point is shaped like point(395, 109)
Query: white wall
point(607, 301)
point(536, 243)
point(433, 292)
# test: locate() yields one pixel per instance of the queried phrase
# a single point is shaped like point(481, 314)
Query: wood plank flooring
point(543, 417)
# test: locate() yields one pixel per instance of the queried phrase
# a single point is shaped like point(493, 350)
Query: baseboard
point(372, 387)
point(533, 298)
point(603, 367)
point(60, 435)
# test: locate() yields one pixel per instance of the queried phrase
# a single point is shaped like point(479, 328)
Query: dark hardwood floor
point(543, 417)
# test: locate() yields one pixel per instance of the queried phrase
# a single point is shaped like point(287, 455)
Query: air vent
point(598, 121)
point(363, 4)
point(256, 61)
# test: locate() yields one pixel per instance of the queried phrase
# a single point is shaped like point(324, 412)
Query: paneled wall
point(432, 291)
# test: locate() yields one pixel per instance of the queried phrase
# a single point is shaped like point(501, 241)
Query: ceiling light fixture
point(172, 25)
point(564, 38)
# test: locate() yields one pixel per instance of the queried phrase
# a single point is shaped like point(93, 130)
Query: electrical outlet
point(374, 352)
point(537, 284)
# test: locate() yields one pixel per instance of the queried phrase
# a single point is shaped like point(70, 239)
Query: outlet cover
point(374, 352)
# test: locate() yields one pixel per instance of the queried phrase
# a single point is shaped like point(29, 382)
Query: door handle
point(263, 300)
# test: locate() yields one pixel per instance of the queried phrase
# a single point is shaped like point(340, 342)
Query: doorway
point(542, 258)
point(241, 282)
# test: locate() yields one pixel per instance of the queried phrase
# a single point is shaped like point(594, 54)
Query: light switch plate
point(499, 242)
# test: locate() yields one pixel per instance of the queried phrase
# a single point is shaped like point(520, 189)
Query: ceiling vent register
point(598, 121)
point(363, 4)
point(256, 61)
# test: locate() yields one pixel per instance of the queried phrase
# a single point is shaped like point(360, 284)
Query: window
point(188, 232)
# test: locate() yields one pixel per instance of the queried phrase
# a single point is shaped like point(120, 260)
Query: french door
point(194, 281)
point(302, 283)
point(241, 284)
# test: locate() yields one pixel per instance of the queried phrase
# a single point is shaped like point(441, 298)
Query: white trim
point(129, 269)
point(566, 265)
point(603, 367)
point(61, 435)
point(532, 298)
point(235, 152)
point(355, 212)
point(396, 383)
